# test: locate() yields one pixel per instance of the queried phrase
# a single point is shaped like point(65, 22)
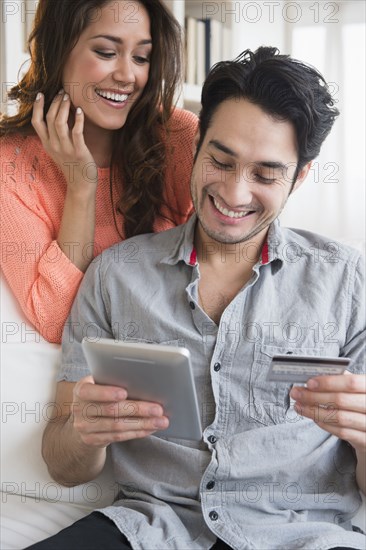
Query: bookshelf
point(208, 39)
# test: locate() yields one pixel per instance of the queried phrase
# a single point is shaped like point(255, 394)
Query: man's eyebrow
point(218, 145)
point(271, 164)
point(264, 164)
point(118, 40)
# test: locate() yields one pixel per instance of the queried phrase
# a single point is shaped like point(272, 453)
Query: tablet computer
point(150, 372)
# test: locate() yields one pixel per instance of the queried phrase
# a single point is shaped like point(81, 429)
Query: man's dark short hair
point(283, 87)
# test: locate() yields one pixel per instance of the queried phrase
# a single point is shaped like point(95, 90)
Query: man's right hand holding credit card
point(334, 398)
point(336, 402)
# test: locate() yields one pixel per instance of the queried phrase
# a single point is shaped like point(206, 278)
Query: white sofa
point(33, 506)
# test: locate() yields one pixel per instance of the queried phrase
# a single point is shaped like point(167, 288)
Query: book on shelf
point(191, 47)
point(208, 41)
point(201, 53)
point(214, 43)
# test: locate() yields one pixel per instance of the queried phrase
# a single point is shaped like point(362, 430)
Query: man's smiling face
point(243, 172)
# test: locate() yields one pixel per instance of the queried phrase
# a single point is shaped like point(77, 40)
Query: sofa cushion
point(25, 520)
point(28, 371)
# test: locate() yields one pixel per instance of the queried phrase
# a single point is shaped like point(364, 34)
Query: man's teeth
point(229, 213)
point(120, 98)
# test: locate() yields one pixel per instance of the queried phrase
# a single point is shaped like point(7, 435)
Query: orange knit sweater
point(33, 190)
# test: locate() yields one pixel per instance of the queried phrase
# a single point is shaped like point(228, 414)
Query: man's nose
point(239, 188)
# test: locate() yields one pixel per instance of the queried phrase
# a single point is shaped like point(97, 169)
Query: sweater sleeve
point(41, 276)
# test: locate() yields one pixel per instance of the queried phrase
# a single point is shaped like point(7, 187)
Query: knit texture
point(32, 194)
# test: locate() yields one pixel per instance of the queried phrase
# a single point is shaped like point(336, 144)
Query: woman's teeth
point(229, 213)
point(119, 98)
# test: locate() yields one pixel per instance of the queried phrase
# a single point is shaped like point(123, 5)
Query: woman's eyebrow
point(118, 40)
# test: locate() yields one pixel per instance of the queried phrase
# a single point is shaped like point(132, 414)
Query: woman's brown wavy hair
point(139, 154)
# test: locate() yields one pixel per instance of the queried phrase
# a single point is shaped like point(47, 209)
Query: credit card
point(299, 368)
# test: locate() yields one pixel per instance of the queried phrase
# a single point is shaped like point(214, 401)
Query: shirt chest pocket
point(270, 402)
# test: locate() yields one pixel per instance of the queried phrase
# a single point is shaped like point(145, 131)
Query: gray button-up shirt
point(263, 477)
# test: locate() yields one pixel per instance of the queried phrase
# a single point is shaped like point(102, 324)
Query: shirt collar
point(273, 245)
point(184, 250)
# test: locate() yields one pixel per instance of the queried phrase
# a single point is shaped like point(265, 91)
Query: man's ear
point(301, 176)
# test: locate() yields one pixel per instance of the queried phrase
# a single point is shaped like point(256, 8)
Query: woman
point(96, 152)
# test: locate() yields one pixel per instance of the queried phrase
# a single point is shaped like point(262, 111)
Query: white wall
point(15, 16)
point(10, 27)
point(332, 199)
point(257, 24)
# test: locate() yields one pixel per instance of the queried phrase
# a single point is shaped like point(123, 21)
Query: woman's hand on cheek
point(65, 145)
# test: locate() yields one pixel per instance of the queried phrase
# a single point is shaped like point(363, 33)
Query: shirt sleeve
point(355, 346)
point(89, 318)
point(41, 276)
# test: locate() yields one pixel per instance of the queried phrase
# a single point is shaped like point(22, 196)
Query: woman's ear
point(301, 176)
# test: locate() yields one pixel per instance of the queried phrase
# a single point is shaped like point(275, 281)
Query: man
point(276, 467)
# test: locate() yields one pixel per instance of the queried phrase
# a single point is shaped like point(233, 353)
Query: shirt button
point(212, 439)
point(217, 367)
point(213, 515)
point(192, 305)
point(210, 485)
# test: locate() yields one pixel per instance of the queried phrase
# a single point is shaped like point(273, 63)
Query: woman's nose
point(123, 71)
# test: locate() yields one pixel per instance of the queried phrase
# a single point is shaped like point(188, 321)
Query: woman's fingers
point(37, 120)
point(52, 128)
point(78, 130)
point(64, 143)
point(51, 115)
point(61, 122)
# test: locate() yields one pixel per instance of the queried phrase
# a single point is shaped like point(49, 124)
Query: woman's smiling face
point(108, 68)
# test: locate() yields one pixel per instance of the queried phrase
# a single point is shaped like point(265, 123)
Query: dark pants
point(94, 532)
point(97, 532)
